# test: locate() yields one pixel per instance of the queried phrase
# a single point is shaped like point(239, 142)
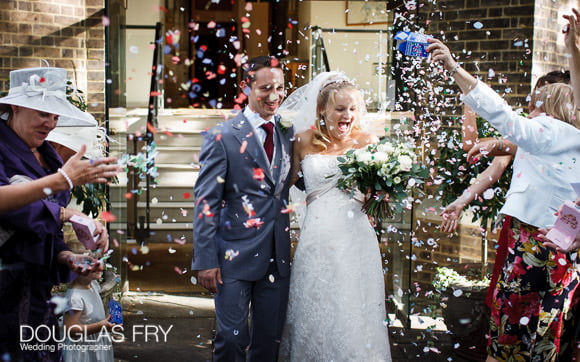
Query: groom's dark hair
point(253, 65)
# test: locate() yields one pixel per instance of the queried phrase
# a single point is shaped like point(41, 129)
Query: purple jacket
point(38, 234)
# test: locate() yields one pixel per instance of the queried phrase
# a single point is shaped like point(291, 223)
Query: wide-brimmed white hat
point(44, 89)
point(74, 137)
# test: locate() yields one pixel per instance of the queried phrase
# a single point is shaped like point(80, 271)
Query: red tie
point(269, 142)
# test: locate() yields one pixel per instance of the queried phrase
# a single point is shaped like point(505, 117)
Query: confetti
point(231, 254)
point(107, 216)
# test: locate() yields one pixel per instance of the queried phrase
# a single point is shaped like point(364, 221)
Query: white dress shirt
point(257, 122)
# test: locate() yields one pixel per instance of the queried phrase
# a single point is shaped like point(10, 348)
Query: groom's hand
point(208, 278)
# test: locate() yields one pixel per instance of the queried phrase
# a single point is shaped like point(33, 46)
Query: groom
point(241, 237)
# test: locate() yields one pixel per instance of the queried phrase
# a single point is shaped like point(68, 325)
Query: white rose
point(386, 147)
point(405, 162)
point(364, 157)
point(286, 122)
point(397, 179)
point(380, 157)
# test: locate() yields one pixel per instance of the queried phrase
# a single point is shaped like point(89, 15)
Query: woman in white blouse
point(531, 294)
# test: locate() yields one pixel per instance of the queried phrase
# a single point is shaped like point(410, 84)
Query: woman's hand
point(450, 216)
point(378, 195)
point(441, 53)
point(572, 30)
point(78, 263)
point(100, 229)
point(90, 171)
point(547, 242)
point(490, 147)
point(103, 240)
point(574, 246)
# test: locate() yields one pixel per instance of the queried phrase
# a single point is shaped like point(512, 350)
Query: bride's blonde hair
point(557, 100)
point(326, 97)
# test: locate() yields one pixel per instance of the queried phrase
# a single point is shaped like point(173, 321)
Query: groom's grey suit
point(240, 228)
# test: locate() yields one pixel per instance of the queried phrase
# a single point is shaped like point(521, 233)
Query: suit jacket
point(238, 221)
point(37, 237)
point(546, 162)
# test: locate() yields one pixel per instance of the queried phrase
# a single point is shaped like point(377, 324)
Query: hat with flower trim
point(44, 89)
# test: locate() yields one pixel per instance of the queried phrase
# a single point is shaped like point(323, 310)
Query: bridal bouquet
point(380, 169)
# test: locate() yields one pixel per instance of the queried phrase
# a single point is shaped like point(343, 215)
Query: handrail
point(317, 49)
point(139, 227)
point(156, 69)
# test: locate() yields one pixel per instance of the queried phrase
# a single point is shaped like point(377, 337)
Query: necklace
point(34, 151)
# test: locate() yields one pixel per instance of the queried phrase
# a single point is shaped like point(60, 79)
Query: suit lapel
point(244, 132)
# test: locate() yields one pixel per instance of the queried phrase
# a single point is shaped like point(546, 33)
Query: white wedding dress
point(336, 309)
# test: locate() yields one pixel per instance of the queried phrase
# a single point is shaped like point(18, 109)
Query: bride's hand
point(378, 195)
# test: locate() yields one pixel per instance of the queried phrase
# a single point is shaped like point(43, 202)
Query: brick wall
point(514, 40)
point(489, 36)
point(549, 52)
point(67, 33)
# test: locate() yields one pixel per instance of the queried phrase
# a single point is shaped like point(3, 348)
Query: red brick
point(7, 4)
point(25, 28)
point(43, 7)
point(46, 18)
point(67, 53)
point(69, 42)
point(96, 43)
point(24, 6)
point(98, 54)
point(25, 51)
point(23, 17)
point(95, 87)
point(96, 75)
point(42, 30)
point(18, 63)
point(80, 12)
point(8, 51)
point(46, 52)
point(66, 10)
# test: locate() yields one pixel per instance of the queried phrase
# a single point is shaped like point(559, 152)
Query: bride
point(336, 309)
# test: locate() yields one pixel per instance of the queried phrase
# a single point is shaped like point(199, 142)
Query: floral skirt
point(531, 298)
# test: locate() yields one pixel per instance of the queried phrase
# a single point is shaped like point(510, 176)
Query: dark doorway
point(214, 78)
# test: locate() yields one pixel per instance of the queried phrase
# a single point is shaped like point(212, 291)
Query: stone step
point(180, 139)
point(161, 192)
point(180, 155)
point(167, 212)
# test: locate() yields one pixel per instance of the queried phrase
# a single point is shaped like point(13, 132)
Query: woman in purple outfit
point(33, 255)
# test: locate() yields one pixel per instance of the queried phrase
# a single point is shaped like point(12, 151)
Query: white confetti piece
point(524, 321)
point(60, 302)
point(488, 194)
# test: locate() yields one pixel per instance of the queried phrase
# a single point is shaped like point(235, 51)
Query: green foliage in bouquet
point(385, 167)
point(457, 174)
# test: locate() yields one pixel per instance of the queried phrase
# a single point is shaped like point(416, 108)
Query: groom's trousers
point(267, 299)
